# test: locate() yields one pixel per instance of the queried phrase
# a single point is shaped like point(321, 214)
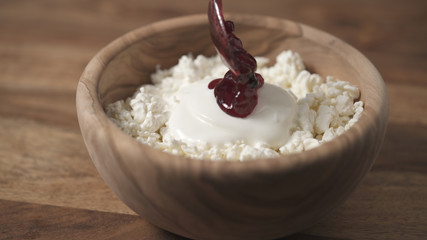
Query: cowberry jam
point(236, 93)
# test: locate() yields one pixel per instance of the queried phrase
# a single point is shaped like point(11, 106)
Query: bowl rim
point(89, 81)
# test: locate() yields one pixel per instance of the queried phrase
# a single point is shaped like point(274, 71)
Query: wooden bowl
point(203, 199)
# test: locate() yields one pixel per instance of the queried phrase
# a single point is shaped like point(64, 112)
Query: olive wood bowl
point(203, 199)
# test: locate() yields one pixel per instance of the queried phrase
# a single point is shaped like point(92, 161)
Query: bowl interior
point(261, 36)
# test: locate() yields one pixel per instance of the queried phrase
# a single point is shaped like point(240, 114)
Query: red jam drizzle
point(236, 93)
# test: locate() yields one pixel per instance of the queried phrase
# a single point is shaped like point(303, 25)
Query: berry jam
point(236, 93)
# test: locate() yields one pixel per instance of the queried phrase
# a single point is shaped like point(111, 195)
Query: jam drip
point(236, 93)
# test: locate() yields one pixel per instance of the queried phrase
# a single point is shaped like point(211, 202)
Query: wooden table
point(49, 188)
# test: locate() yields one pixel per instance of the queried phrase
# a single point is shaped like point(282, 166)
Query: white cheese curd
point(296, 111)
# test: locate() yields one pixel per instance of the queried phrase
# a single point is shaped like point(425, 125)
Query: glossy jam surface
point(234, 97)
point(236, 93)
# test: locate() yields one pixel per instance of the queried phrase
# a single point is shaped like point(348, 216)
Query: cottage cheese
point(324, 110)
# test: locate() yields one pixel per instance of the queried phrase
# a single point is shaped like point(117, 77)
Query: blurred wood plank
point(35, 221)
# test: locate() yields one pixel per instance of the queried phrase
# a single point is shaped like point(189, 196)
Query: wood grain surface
point(49, 188)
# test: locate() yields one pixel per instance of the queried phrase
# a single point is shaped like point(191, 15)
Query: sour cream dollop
point(197, 117)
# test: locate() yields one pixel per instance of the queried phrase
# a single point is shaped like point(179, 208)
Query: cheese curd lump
point(296, 111)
